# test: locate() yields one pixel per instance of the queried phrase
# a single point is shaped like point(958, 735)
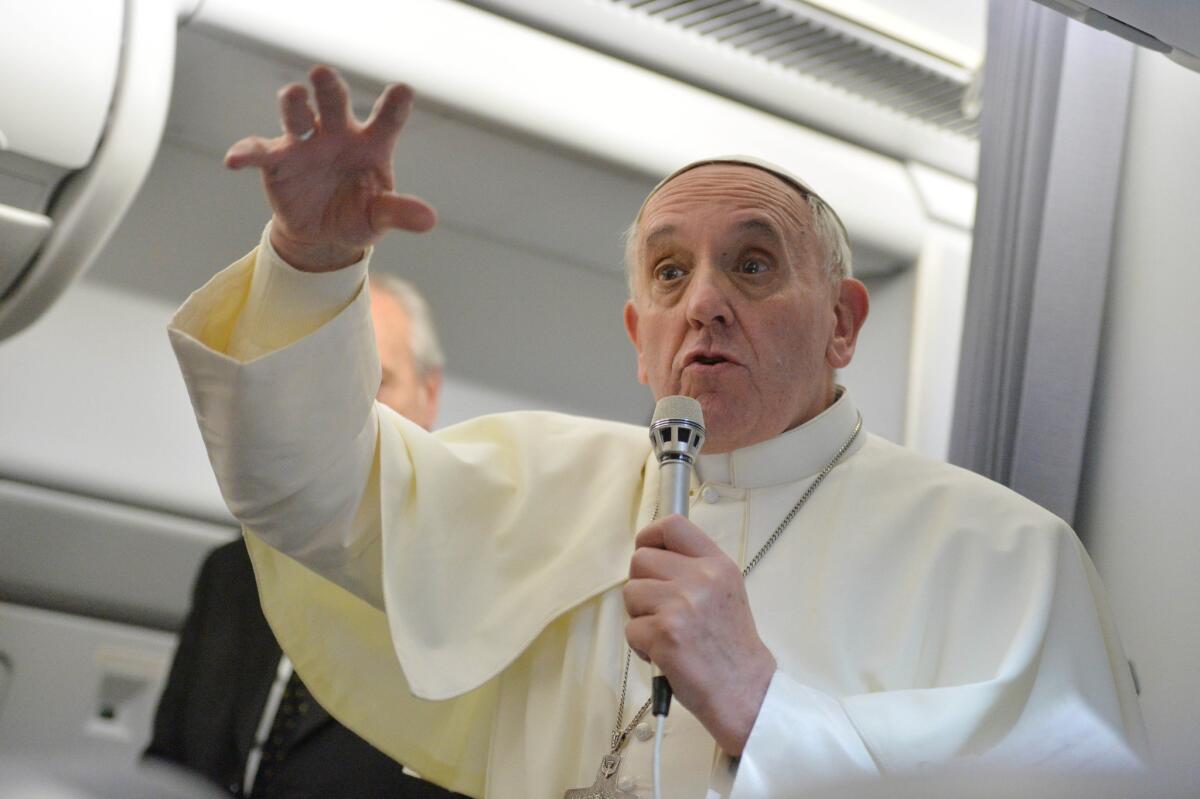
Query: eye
point(753, 266)
point(667, 273)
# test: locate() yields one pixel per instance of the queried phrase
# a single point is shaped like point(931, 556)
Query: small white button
point(643, 731)
point(710, 495)
point(625, 784)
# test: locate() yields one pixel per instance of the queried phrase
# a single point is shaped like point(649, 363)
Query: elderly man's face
point(733, 307)
point(403, 388)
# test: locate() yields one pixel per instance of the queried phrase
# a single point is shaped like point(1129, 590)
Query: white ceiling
point(953, 26)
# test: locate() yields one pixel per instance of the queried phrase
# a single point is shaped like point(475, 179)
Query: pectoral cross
point(605, 786)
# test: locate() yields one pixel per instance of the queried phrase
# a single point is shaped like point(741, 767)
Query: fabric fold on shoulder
point(339, 643)
point(475, 566)
point(474, 569)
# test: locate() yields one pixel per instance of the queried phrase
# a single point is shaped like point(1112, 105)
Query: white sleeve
point(282, 372)
point(285, 304)
point(1059, 701)
point(802, 738)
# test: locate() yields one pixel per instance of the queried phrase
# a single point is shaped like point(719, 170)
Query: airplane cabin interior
point(1032, 273)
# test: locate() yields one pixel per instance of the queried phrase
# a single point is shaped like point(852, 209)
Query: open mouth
point(708, 359)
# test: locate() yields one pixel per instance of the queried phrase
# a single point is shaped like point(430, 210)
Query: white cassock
point(463, 612)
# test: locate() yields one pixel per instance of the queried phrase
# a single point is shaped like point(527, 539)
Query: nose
point(707, 299)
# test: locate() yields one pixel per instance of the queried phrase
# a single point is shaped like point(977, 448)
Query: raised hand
point(689, 613)
point(329, 178)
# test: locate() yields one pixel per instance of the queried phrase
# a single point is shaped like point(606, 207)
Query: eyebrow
point(760, 226)
point(659, 234)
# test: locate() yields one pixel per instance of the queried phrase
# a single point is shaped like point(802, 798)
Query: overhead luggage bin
point(87, 87)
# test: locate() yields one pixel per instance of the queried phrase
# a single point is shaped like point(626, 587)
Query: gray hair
point(827, 227)
point(426, 351)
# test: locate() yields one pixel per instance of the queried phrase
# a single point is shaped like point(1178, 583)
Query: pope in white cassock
point(467, 600)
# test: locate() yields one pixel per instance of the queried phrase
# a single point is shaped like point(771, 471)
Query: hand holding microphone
point(689, 612)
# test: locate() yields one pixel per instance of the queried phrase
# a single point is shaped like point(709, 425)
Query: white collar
point(790, 456)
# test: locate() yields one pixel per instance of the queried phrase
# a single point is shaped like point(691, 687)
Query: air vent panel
point(794, 37)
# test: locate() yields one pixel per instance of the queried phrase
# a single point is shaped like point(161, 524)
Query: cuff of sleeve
point(285, 304)
point(802, 738)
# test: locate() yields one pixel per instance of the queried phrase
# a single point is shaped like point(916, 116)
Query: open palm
point(329, 178)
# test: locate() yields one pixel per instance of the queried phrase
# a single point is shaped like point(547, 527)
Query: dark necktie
point(296, 703)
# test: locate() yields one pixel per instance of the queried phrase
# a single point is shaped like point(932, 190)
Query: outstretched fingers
point(251, 151)
point(297, 115)
point(333, 98)
point(403, 211)
point(298, 120)
point(390, 113)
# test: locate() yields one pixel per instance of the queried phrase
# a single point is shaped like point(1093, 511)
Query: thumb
point(403, 211)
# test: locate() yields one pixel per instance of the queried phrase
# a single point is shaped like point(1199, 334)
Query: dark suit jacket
point(214, 698)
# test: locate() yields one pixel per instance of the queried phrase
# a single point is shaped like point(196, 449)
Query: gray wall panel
point(97, 558)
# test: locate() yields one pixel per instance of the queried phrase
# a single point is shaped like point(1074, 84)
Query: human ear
point(850, 311)
point(631, 330)
point(431, 387)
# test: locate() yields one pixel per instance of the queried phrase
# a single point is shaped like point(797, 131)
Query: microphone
point(677, 434)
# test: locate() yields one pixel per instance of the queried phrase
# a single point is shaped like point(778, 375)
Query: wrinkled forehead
point(802, 188)
point(743, 198)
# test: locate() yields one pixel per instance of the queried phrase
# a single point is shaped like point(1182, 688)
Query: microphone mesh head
point(679, 407)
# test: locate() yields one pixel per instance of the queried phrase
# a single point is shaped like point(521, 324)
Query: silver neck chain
point(619, 735)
